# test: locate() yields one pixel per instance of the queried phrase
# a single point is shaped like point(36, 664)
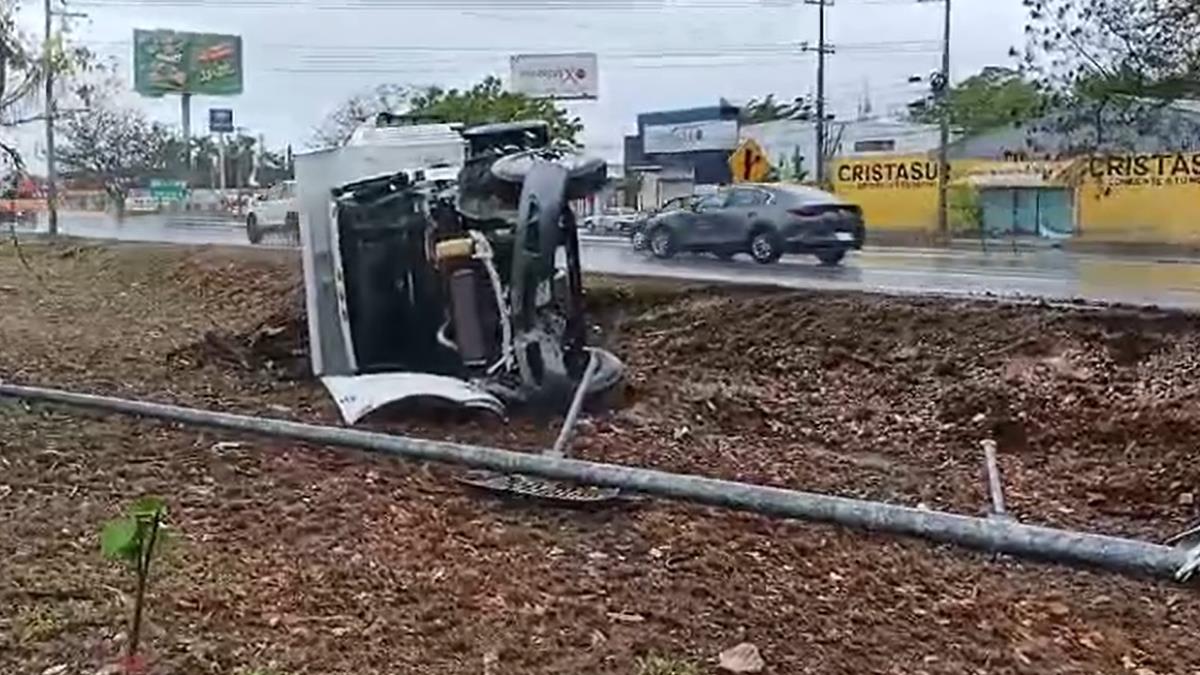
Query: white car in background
point(277, 210)
point(611, 220)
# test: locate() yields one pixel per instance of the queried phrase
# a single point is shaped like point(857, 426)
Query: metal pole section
point(51, 169)
point(944, 140)
point(995, 536)
point(992, 467)
point(568, 427)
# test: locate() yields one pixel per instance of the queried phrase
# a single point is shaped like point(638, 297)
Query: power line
point(755, 47)
point(460, 5)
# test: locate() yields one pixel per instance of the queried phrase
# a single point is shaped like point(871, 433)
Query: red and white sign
point(560, 76)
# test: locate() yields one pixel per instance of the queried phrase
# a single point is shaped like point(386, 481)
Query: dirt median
point(309, 560)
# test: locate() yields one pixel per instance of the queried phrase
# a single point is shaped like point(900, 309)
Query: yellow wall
point(1146, 198)
point(898, 194)
point(895, 193)
point(1140, 199)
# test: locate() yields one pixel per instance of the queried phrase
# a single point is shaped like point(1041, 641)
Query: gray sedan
point(764, 221)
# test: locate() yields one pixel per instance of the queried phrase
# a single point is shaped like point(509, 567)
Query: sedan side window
point(711, 202)
point(747, 198)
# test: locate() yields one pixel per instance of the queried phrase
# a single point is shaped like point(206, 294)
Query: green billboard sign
point(170, 62)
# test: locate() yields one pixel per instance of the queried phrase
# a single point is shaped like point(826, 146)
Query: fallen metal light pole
point(996, 536)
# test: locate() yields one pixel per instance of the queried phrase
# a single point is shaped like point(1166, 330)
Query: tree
point(994, 97)
point(768, 109)
point(23, 68)
point(488, 102)
point(1141, 48)
point(338, 125)
point(117, 147)
point(1115, 63)
point(484, 103)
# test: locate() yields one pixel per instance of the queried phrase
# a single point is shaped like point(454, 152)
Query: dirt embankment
point(303, 560)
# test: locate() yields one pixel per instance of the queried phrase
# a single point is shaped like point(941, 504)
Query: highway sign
point(220, 120)
point(749, 164)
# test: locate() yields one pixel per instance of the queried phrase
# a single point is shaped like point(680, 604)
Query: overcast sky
point(303, 56)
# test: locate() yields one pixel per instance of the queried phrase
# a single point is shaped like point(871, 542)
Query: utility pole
point(942, 92)
point(822, 49)
point(51, 169)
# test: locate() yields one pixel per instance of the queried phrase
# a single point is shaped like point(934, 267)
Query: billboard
point(168, 62)
point(559, 76)
point(662, 139)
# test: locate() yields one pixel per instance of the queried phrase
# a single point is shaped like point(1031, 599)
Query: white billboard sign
point(560, 76)
point(661, 139)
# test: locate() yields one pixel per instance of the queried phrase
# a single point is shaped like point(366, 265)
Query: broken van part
point(433, 250)
point(990, 535)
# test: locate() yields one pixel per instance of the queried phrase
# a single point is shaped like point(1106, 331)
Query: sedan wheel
point(639, 241)
point(662, 243)
point(765, 247)
point(831, 258)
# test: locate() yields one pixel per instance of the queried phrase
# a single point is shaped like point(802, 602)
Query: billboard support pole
point(223, 178)
point(185, 104)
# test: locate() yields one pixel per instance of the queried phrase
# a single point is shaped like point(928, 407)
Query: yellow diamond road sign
point(749, 163)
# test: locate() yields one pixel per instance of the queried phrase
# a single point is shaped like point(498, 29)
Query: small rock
point(743, 658)
point(979, 418)
point(226, 446)
point(622, 617)
point(55, 670)
point(110, 669)
point(656, 553)
point(597, 556)
point(598, 638)
point(1187, 499)
point(1058, 609)
point(491, 661)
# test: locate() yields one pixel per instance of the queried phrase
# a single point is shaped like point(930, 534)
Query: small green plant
point(133, 540)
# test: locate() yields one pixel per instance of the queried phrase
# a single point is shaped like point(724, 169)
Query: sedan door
point(741, 212)
point(703, 222)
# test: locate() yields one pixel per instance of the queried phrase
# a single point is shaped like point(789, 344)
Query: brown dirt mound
point(301, 560)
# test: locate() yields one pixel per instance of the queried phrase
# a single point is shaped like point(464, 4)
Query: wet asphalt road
point(1048, 273)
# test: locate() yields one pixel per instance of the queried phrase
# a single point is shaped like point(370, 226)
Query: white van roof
point(417, 134)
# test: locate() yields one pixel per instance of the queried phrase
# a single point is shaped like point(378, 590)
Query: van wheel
point(253, 232)
point(765, 247)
